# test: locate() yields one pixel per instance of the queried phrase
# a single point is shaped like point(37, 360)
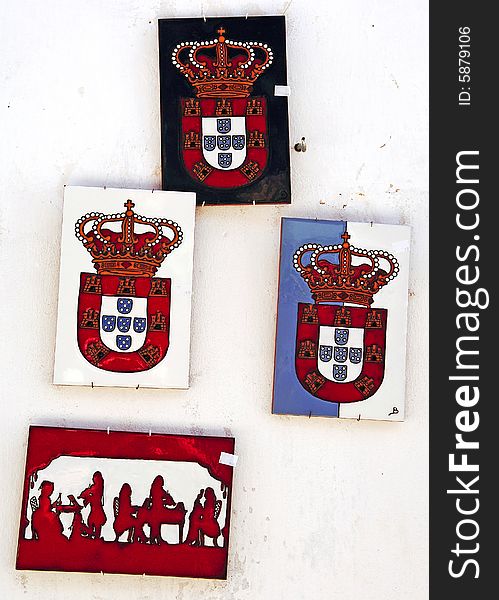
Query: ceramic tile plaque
point(342, 313)
point(224, 123)
point(120, 502)
point(125, 288)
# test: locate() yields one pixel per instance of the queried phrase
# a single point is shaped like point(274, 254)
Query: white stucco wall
point(321, 508)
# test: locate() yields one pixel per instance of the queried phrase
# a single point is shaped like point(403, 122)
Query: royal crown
point(127, 251)
point(344, 281)
point(222, 68)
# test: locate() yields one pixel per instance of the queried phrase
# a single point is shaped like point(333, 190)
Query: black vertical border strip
point(453, 129)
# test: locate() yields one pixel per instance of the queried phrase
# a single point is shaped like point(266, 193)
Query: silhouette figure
point(203, 520)
point(47, 518)
point(93, 496)
point(125, 513)
point(159, 509)
point(160, 499)
point(45, 523)
point(195, 520)
point(212, 507)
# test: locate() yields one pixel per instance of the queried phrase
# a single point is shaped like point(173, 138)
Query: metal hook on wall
point(301, 146)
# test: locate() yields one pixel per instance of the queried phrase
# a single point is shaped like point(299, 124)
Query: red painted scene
point(119, 502)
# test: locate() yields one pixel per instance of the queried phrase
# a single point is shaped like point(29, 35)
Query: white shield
point(224, 142)
point(341, 353)
point(123, 323)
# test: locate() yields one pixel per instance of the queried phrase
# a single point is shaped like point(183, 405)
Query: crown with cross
point(118, 247)
point(222, 68)
point(354, 276)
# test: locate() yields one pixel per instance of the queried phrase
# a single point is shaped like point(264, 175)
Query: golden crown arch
point(127, 252)
point(345, 281)
point(222, 68)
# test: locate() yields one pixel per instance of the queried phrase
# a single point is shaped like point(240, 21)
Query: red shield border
point(310, 318)
point(257, 143)
point(155, 289)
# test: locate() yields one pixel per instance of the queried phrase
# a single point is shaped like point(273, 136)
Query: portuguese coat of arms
point(123, 310)
point(224, 130)
point(340, 347)
point(127, 323)
point(224, 137)
point(340, 354)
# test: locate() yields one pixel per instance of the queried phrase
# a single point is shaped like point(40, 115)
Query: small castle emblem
point(159, 287)
point(151, 354)
point(343, 317)
point(310, 315)
point(256, 139)
point(90, 319)
point(374, 353)
point(158, 322)
point(93, 285)
point(250, 169)
point(373, 320)
point(307, 349)
point(96, 352)
point(192, 108)
point(224, 108)
point(254, 107)
point(126, 286)
point(192, 140)
point(314, 381)
point(365, 385)
point(202, 170)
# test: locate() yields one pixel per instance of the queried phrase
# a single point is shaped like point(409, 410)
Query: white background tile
point(70, 365)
